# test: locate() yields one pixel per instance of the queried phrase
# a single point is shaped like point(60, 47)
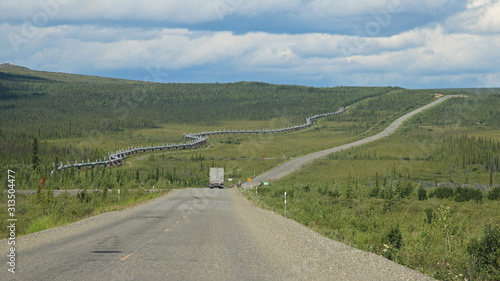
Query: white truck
point(217, 177)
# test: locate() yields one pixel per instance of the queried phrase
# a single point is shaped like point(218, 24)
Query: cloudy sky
point(408, 43)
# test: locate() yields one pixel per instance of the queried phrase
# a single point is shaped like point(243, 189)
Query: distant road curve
point(295, 164)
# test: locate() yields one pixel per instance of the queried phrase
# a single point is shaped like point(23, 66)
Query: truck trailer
point(217, 177)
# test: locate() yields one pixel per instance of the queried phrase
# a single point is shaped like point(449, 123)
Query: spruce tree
point(389, 199)
point(349, 196)
point(34, 155)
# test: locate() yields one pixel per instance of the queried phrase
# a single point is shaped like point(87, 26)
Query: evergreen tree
point(491, 175)
point(389, 199)
point(51, 199)
point(105, 193)
point(422, 194)
point(349, 196)
point(34, 155)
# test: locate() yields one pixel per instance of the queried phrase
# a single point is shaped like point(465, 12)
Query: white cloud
point(424, 52)
point(489, 80)
point(482, 16)
point(490, 20)
point(461, 46)
point(186, 11)
point(200, 11)
point(436, 52)
point(477, 3)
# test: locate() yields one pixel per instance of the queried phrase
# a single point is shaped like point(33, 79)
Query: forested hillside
point(48, 105)
point(51, 106)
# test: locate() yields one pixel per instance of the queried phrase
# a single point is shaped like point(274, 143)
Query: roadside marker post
point(285, 204)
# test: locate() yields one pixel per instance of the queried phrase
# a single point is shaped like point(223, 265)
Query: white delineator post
point(285, 204)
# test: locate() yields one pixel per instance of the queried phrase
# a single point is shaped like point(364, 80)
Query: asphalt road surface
point(295, 164)
point(193, 234)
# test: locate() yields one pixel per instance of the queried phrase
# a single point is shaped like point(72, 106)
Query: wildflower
point(386, 248)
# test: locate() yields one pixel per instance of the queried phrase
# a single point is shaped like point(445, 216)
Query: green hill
point(46, 105)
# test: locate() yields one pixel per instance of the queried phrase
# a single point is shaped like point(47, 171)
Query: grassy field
point(371, 197)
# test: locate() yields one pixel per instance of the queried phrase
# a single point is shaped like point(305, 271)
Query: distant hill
point(47, 104)
point(26, 73)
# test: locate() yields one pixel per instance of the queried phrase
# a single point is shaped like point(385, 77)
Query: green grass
point(361, 222)
point(43, 223)
point(334, 196)
point(50, 212)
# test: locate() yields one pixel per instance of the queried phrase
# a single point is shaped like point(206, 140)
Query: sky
point(322, 43)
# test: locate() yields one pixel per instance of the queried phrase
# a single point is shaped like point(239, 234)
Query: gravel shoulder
point(308, 255)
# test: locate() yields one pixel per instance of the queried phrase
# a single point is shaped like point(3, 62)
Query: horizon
point(319, 43)
point(242, 81)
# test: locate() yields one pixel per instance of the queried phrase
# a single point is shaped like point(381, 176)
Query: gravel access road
point(295, 164)
point(193, 234)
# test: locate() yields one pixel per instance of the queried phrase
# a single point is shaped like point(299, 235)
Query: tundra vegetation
point(426, 197)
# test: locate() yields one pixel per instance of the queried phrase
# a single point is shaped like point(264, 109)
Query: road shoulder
point(311, 256)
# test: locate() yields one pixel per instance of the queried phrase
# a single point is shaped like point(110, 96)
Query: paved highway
point(295, 164)
point(194, 234)
point(200, 234)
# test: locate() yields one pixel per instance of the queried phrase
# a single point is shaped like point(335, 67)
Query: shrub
point(422, 194)
point(82, 196)
point(464, 194)
point(407, 191)
point(494, 194)
point(485, 254)
point(395, 240)
point(333, 193)
point(444, 192)
point(394, 237)
point(374, 192)
point(430, 215)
